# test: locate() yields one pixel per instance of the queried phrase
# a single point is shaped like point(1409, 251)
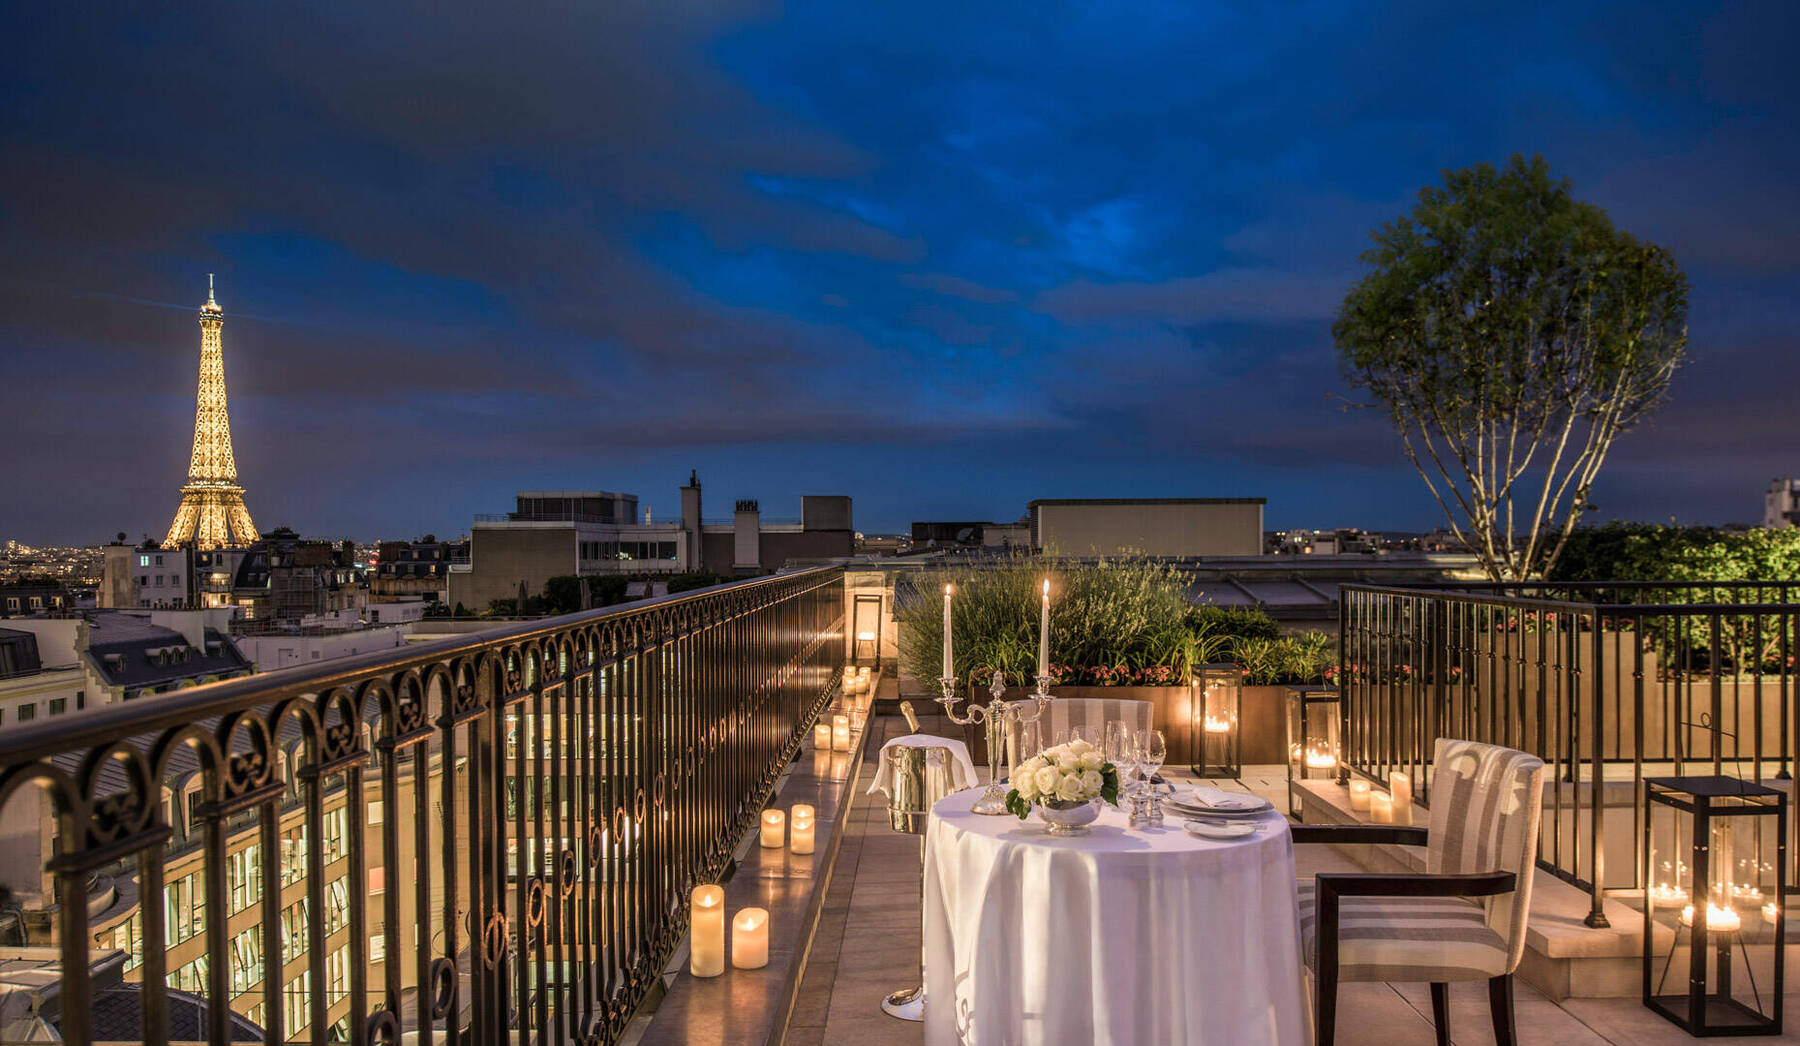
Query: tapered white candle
point(1400, 787)
point(840, 733)
point(1044, 633)
point(774, 828)
point(706, 947)
point(1359, 795)
point(949, 647)
point(750, 939)
point(800, 828)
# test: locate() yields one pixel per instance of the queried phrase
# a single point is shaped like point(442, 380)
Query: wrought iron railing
point(1604, 681)
point(482, 840)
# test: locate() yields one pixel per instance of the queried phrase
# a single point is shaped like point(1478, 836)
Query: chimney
point(746, 530)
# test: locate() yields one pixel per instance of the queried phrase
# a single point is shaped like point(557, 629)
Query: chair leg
point(1325, 1013)
point(1500, 998)
point(1440, 1011)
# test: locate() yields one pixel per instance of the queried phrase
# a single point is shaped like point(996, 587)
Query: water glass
point(1152, 749)
point(1118, 747)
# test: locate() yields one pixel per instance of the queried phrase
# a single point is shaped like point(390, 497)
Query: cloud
point(1226, 294)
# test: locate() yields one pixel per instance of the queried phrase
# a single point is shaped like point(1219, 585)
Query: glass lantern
point(1313, 750)
point(1215, 699)
point(1715, 860)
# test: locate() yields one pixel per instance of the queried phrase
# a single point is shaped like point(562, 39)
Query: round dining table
point(1124, 935)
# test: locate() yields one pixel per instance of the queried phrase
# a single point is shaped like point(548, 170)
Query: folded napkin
point(1220, 799)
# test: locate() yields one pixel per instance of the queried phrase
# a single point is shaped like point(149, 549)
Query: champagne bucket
point(920, 776)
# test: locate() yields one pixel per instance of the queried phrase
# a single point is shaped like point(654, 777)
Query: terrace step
point(1564, 957)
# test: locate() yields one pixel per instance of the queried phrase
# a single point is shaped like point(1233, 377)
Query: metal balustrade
point(1605, 681)
point(479, 840)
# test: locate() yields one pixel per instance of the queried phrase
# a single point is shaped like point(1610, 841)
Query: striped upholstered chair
point(1463, 919)
point(1091, 714)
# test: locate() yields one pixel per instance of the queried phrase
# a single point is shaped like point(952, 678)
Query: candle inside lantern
point(1359, 794)
point(774, 828)
point(1381, 808)
point(1667, 893)
point(1718, 918)
point(949, 650)
point(1217, 725)
point(1320, 759)
point(1044, 633)
point(800, 828)
point(1400, 787)
point(822, 736)
point(840, 733)
point(706, 946)
point(750, 939)
point(1771, 910)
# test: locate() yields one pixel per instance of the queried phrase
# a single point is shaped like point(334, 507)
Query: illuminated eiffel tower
point(212, 512)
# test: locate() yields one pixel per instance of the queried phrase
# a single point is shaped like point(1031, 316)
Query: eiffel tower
point(212, 512)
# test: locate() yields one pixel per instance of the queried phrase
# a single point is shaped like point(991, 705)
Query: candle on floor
point(1359, 794)
point(774, 828)
point(1381, 808)
point(1400, 787)
point(750, 939)
point(840, 733)
point(800, 828)
point(706, 948)
point(822, 736)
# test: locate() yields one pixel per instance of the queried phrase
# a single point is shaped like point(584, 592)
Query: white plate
point(1253, 805)
point(1220, 831)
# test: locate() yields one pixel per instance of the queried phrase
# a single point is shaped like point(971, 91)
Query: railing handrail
point(98, 726)
point(1492, 596)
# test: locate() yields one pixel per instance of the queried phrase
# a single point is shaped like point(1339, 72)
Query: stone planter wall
point(1262, 717)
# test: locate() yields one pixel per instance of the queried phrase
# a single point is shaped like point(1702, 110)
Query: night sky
point(944, 259)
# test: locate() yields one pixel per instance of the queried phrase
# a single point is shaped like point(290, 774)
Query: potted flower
point(1064, 783)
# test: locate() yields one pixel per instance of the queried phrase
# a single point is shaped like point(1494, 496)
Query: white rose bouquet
point(1066, 774)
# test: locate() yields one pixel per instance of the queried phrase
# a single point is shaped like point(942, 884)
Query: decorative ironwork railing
point(481, 840)
point(1601, 680)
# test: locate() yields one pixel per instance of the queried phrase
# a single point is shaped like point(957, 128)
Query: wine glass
point(1152, 749)
point(1118, 746)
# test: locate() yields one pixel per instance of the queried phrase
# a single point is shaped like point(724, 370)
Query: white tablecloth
point(1120, 936)
point(962, 768)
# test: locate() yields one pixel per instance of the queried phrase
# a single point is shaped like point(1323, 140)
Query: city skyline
point(943, 269)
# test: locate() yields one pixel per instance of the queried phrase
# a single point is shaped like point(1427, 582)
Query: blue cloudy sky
point(942, 258)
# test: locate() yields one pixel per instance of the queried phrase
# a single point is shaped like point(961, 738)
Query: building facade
point(1151, 526)
point(583, 533)
point(1781, 505)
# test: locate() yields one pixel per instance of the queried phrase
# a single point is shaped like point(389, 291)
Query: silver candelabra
point(996, 715)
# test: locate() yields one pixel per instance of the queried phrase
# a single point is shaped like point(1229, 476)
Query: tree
point(1511, 333)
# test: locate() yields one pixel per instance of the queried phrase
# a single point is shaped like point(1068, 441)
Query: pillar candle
point(949, 649)
point(1381, 808)
point(1400, 787)
point(706, 948)
point(822, 736)
point(1044, 633)
point(840, 733)
point(800, 828)
point(750, 939)
point(774, 828)
point(1359, 794)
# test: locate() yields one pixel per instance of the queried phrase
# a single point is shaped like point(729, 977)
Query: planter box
point(1262, 717)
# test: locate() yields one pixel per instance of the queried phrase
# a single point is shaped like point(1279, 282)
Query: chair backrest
point(1091, 714)
point(1485, 804)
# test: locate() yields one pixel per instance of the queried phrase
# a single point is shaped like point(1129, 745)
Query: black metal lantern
point(1715, 860)
point(1313, 748)
point(1215, 699)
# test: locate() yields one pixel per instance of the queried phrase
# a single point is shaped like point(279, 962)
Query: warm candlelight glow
point(1359, 795)
point(774, 828)
point(1320, 759)
point(840, 733)
point(750, 939)
point(1400, 787)
point(1216, 725)
point(1667, 893)
point(1721, 919)
point(822, 735)
point(1771, 910)
point(800, 828)
point(1381, 808)
point(706, 947)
